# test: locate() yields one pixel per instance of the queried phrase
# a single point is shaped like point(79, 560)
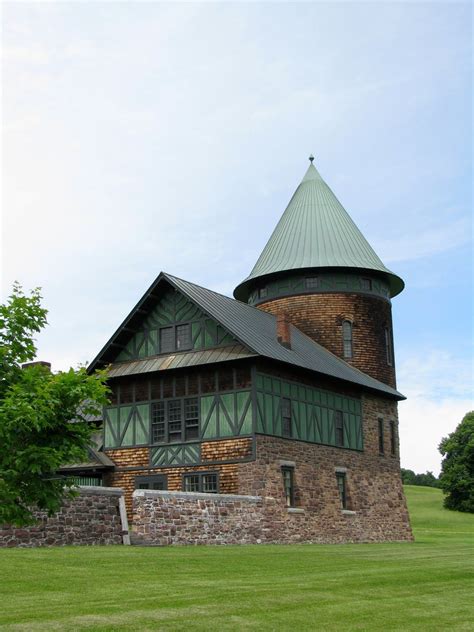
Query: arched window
point(347, 338)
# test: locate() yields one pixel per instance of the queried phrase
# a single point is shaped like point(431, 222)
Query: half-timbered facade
point(287, 391)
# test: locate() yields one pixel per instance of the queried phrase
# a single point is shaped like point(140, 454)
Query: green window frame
point(156, 482)
point(174, 420)
point(342, 488)
point(288, 474)
point(393, 439)
point(339, 428)
point(286, 423)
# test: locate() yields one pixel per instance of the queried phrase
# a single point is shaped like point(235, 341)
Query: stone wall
point(163, 518)
point(93, 517)
point(320, 317)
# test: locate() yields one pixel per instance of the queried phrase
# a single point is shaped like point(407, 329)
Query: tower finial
point(311, 158)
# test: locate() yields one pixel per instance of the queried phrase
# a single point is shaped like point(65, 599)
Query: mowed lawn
point(428, 585)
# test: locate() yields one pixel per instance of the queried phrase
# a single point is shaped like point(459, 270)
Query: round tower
point(319, 270)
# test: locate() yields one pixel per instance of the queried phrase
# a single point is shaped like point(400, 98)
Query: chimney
point(47, 365)
point(283, 330)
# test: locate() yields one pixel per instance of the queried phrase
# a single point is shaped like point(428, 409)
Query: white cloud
point(439, 390)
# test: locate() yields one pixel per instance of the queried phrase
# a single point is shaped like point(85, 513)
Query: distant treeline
point(428, 479)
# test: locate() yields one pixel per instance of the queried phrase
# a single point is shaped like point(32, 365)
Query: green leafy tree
point(457, 469)
point(43, 416)
point(426, 480)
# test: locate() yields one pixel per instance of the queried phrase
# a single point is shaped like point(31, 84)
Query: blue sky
point(140, 137)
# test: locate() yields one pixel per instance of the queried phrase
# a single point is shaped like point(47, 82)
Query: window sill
point(295, 510)
point(348, 512)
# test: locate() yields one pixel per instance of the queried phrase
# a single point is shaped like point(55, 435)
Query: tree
point(457, 469)
point(427, 480)
point(43, 415)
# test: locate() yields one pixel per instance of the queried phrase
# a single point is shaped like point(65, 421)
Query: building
point(287, 392)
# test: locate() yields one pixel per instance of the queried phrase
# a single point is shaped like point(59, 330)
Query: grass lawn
point(428, 585)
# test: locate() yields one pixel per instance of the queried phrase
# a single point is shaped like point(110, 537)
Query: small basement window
point(157, 481)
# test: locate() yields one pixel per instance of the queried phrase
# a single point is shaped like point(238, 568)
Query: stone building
point(286, 392)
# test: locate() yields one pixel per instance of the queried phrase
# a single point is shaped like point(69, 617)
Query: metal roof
point(252, 327)
point(180, 360)
point(256, 329)
point(315, 231)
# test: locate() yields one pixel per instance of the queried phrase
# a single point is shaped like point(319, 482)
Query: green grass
point(426, 585)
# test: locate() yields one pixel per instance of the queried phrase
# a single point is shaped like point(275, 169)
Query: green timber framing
point(235, 413)
point(224, 330)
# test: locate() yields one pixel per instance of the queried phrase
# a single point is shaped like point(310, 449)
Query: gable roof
point(255, 330)
point(315, 231)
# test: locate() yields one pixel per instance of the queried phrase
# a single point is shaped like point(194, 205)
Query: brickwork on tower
point(320, 316)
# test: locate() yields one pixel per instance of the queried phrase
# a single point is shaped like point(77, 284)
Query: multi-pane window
point(166, 339)
point(286, 417)
point(381, 441)
point(393, 439)
point(347, 338)
point(312, 283)
point(175, 338)
point(341, 485)
point(205, 482)
point(388, 346)
point(158, 422)
point(262, 292)
point(339, 427)
point(175, 430)
point(175, 420)
point(191, 419)
point(183, 337)
point(288, 485)
point(158, 481)
point(366, 284)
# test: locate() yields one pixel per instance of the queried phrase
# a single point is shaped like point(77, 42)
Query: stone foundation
point(93, 517)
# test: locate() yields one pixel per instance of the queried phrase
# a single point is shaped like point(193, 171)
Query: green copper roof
point(315, 231)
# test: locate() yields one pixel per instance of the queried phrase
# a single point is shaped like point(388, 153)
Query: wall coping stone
point(96, 490)
point(157, 493)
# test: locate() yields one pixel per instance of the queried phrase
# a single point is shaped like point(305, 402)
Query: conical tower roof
point(315, 231)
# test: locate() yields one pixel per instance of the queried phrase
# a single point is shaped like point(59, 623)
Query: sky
point(141, 136)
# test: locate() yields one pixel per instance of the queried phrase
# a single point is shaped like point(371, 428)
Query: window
point(347, 338)
point(175, 420)
point(158, 422)
point(183, 337)
point(175, 338)
point(288, 486)
point(381, 442)
point(366, 284)
point(311, 283)
point(158, 481)
point(166, 340)
point(341, 485)
point(339, 427)
point(286, 417)
point(388, 346)
point(393, 439)
point(191, 419)
point(205, 482)
point(262, 292)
